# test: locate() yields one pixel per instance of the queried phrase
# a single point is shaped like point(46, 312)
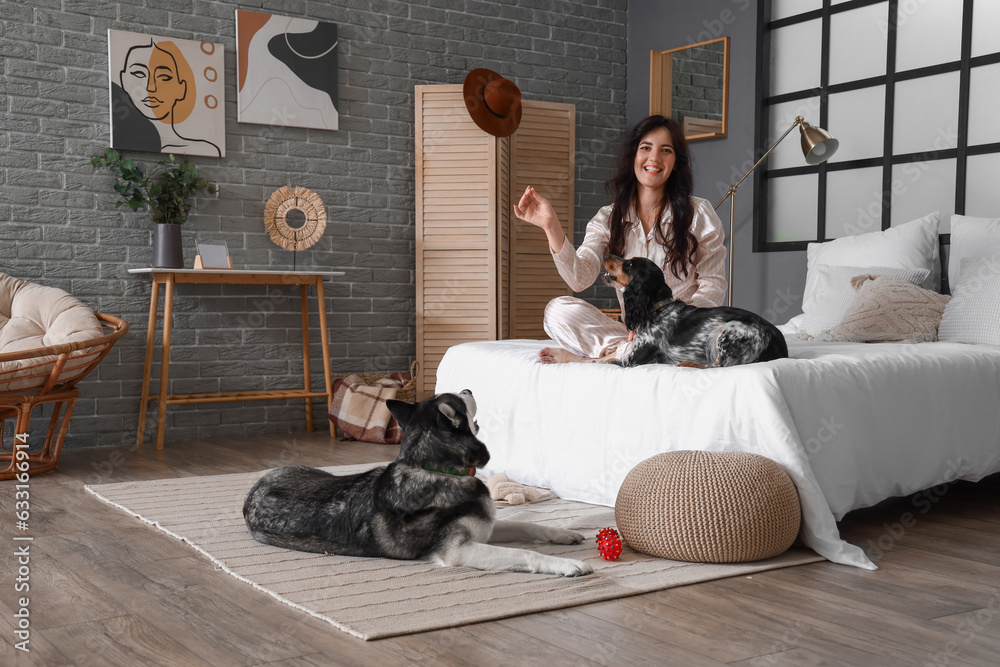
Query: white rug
point(373, 598)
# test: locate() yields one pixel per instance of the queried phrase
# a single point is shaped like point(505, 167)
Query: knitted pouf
point(708, 507)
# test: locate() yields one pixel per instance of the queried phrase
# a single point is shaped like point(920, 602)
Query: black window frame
point(888, 160)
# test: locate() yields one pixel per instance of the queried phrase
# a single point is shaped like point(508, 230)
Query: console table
point(170, 277)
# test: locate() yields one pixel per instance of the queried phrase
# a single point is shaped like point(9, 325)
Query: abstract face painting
point(286, 71)
point(166, 95)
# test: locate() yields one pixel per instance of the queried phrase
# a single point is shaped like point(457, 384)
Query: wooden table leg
point(324, 340)
point(147, 367)
point(304, 298)
point(168, 312)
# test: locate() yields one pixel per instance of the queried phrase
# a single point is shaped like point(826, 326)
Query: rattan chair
point(42, 375)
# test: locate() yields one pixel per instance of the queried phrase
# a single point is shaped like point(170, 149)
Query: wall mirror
point(691, 85)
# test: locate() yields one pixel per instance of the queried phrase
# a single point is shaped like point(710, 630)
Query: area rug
point(374, 598)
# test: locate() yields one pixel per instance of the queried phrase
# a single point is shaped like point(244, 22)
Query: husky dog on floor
point(426, 505)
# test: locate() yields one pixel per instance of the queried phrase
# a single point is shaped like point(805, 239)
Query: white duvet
point(851, 423)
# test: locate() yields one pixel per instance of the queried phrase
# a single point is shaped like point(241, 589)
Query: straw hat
point(493, 102)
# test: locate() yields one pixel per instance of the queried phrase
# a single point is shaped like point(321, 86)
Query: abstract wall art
point(167, 95)
point(286, 71)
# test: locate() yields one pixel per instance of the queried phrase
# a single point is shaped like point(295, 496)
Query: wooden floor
point(106, 589)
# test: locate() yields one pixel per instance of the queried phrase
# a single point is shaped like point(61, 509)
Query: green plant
point(165, 194)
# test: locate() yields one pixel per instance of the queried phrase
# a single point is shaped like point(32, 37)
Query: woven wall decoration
point(286, 199)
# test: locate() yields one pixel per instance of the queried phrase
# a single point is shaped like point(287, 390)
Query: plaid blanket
point(358, 409)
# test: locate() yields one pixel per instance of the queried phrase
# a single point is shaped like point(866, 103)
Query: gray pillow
point(973, 314)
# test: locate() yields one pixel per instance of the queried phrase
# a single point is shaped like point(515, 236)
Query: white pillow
point(973, 314)
point(912, 245)
point(971, 237)
point(824, 306)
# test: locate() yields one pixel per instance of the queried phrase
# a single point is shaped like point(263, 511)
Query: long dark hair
point(624, 191)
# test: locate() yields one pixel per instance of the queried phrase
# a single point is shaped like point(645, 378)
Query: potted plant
point(165, 194)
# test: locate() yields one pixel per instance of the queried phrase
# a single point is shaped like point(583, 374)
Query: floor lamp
point(817, 146)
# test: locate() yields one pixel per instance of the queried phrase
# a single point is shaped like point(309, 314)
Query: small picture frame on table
point(213, 256)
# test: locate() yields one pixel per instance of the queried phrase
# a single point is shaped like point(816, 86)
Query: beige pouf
point(708, 507)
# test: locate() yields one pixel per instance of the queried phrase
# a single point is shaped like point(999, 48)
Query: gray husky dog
point(426, 505)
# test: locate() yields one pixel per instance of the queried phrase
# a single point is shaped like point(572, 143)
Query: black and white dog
point(426, 505)
point(672, 332)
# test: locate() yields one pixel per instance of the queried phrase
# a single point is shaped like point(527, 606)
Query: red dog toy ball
point(609, 544)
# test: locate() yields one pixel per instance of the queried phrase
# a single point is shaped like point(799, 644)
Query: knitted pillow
point(828, 294)
point(886, 310)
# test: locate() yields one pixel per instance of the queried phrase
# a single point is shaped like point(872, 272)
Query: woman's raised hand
point(537, 210)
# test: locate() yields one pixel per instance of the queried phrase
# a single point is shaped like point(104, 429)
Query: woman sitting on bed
point(653, 216)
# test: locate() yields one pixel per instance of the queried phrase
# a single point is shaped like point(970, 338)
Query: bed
point(852, 423)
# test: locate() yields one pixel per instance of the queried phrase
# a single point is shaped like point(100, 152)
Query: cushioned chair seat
point(708, 507)
point(35, 316)
point(49, 341)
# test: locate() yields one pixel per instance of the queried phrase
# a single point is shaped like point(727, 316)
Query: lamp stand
point(732, 195)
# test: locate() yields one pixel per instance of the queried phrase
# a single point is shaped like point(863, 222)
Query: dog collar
point(461, 472)
point(662, 303)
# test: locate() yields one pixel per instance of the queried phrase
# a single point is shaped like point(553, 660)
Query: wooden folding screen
point(481, 274)
point(542, 155)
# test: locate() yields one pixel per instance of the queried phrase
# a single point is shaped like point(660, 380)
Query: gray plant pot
point(168, 252)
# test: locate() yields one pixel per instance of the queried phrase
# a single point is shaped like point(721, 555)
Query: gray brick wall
point(59, 225)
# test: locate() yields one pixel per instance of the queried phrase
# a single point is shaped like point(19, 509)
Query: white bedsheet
point(852, 424)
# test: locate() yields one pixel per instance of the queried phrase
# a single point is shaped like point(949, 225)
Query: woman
point(161, 86)
point(653, 215)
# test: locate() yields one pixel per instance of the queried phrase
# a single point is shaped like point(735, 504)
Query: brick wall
point(698, 82)
point(59, 225)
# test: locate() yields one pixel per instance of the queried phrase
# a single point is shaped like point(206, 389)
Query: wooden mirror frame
point(661, 92)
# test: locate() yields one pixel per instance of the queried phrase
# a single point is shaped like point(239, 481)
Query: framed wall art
point(286, 71)
point(167, 95)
